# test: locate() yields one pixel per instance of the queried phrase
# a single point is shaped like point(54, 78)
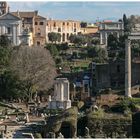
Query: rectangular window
point(8, 30)
point(29, 20)
point(35, 23)
point(38, 43)
point(41, 23)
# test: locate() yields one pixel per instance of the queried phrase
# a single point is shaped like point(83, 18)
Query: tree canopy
point(4, 41)
point(5, 52)
point(34, 67)
point(126, 24)
point(54, 37)
point(99, 54)
point(83, 24)
point(78, 39)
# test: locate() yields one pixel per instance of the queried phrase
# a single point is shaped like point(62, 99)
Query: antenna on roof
point(18, 13)
point(8, 9)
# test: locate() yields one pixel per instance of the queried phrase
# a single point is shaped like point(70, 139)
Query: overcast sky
point(83, 11)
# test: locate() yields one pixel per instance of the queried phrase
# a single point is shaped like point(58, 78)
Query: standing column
point(14, 34)
point(66, 90)
point(101, 38)
point(106, 38)
point(56, 90)
point(128, 68)
point(61, 92)
point(3, 30)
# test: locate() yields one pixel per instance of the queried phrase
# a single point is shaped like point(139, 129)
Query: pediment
point(9, 16)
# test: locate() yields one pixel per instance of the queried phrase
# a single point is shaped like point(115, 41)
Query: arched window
point(63, 37)
point(67, 36)
point(59, 29)
point(54, 24)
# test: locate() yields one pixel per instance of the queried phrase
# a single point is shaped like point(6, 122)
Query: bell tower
point(3, 8)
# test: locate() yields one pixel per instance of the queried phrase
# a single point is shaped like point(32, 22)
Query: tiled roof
point(56, 20)
point(39, 17)
point(25, 14)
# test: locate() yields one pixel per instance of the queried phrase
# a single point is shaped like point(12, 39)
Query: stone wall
point(113, 75)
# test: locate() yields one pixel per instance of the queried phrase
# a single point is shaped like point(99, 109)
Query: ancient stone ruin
point(61, 99)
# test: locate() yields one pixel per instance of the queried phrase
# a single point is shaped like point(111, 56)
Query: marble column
point(61, 92)
point(3, 30)
point(55, 91)
point(101, 38)
point(14, 34)
point(106, 39)
point(128, 68)
point(66, 90)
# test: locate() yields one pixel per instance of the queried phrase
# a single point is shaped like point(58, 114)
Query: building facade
point(108, 27)
point(11, 26)
point(35, 25)
point(64, 27)
point(90, 29)
point(40, 31)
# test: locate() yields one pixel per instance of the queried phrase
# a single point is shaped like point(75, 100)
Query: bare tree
point(35, 68)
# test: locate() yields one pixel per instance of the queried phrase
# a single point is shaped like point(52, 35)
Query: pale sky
point(83, 11)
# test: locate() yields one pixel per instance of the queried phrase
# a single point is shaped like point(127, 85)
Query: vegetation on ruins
point(98, 54)
point(108, 125)
point(54, 123)
point(25, 71)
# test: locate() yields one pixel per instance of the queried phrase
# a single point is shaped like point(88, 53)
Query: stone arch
point(67, 36)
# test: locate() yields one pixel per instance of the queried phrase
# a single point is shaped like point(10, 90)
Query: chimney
point(8, 9)
point(36, 13)
point(18, 13)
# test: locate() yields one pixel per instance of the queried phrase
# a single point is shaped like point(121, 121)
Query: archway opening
point(66, 129)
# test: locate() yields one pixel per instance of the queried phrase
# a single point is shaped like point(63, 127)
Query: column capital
point(128, 42)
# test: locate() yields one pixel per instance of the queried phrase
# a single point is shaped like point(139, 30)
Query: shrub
point(38, 135)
